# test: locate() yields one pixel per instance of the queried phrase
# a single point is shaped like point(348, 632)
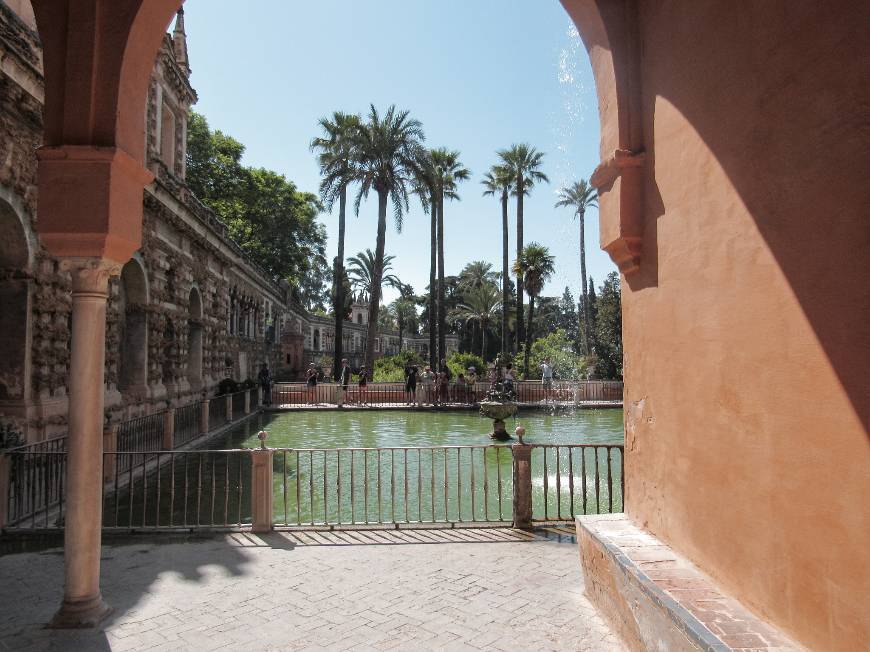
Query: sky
point(480, 75)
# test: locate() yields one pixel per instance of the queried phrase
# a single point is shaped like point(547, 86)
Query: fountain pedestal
point(498, 411)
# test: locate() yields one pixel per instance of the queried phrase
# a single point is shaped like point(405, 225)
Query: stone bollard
point(5, 472)
point(247, 402)
point(229, 408)
point(522, 476)
point(261, 486)
point(203, 417)
point(110, 446)
point(169, 429)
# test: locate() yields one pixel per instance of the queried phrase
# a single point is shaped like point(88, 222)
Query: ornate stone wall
point(158, 353)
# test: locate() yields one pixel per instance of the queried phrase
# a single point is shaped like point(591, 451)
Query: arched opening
point(133, 371)
point(15, 302)
point(194, 340)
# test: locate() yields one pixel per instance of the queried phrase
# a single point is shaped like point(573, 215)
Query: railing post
point(203, 417)
point(110, 445)
point(522, 493)
point(261, 487)
point(5, 479)
point(247, 401)
point(169, 429)
point(229, 407)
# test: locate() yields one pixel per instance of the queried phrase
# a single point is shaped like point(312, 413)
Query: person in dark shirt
point(265, 380)
point(344, 377)
point(363, 385)
point(411, 386)
point(445, 381)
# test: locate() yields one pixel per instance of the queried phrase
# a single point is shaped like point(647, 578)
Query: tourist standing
point(461, 392)
point(509, 379)
point(344, 378)
point(363, 385)
point(428, 382)
point(447, 378)
point(547, 378)
point(311, 382)
point(444, 388)
point(411, 386)
point(471, 381)
point(265, 380)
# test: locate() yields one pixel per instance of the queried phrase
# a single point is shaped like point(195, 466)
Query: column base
point(81, 614)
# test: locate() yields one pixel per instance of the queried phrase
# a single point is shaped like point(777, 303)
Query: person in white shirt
point(547, 378)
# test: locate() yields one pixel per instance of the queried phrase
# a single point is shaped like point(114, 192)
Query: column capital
point(90, 275)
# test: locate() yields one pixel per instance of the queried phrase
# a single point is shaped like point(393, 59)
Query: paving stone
point(461, 590)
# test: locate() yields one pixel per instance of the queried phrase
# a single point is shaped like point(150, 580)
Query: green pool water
point(378, 429)
point(404, 467)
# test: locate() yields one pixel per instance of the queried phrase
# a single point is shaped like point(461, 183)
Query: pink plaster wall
point(746, 327)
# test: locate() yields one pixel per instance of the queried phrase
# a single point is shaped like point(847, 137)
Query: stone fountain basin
point(495, 410)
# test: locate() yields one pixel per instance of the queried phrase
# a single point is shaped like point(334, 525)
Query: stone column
point(229, 407)
point(83, 604)
point(203, 418)
point(261, 490)
point(169, 429)
point(522, 493)
point(248, 402)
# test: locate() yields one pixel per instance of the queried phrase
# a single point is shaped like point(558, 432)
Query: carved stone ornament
point(90, 275)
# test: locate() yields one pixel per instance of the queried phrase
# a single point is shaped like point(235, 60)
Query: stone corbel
point(619, 181)
point(90, 202)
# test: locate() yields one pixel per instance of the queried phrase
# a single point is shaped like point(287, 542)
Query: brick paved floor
point(492, 589)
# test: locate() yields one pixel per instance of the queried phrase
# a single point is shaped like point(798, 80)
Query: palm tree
point(424, 186)
point(581, 196)
point(404, 312)
point(524, 162)
point(448, 172)
point(361, 271)
point(387, 151)
point(535, 265)
point(480, 306)
point(336, 161)
point(475, 274)
point(499, 181)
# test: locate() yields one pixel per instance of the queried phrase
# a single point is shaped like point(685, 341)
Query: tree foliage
point(273, 222)
point(391, 368)
point(609, 328)
point(559, 348)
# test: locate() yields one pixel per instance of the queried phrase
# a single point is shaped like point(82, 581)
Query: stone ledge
point(657, 600)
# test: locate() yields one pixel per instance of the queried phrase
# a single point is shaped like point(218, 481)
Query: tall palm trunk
point(442, 313)
point(433, 307)
point(520, 188)
point(375, 298)
point(504, 272)
point(339, 286)
point(586, 330)
point(528, 337)
point(482, 342)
